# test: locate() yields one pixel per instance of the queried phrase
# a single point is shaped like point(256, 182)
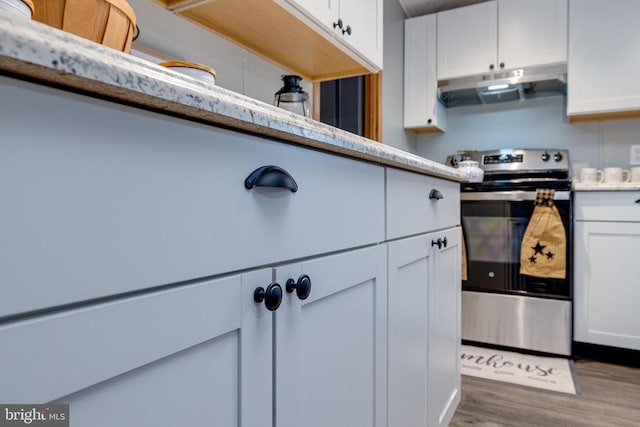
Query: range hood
point(516, 85)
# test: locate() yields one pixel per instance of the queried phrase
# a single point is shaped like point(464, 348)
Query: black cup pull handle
point(302, 286)
point(435, 194)
point(271, 176)
point(272, 296)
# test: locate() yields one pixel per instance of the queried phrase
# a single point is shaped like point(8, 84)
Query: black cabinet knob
point(347, 30)
point(444, 242)
point(338, 24)
point(429, 121)
point(302, 286)
point(502, 65)
point(437, 243)
point(272, 296)
point(491, 67)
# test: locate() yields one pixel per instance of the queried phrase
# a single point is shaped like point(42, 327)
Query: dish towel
point(544, 245)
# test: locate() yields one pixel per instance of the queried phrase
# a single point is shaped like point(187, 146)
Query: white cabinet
point(602, 72)
point(501, 35)
point(422, 110)
point(358, 23)
point(151, 209)
point(330, 349)
point(424, 299)
point(606, 286)
point(174, 357)
point(424, 329)
point(467, 40)
point(531, 33)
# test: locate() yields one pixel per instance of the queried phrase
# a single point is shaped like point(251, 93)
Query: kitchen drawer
point(411, 210)
point(607, 206)
point(100, 199)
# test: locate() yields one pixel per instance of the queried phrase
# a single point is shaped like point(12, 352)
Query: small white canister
point(23, 8)
point(472, 169)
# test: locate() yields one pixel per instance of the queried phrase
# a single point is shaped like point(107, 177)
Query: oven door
point(493, 226)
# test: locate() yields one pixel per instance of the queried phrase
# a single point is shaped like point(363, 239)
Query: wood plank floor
point(610, 398)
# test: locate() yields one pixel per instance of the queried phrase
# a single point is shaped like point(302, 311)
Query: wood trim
point(315, 107)
point(618, 115)
point(373, 106)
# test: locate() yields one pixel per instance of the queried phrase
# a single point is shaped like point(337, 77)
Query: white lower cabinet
point(330, 349)
point(424, 329)
point(183, 356)
point(606, 285)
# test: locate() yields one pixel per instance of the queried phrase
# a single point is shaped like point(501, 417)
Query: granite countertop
point(623, 186)
point(32, 51)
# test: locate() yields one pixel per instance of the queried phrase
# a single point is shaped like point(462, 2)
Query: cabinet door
point(424, 329)
point(532, 33)
point(444, 322)
point(330, 367)
point(594, 87)
point(606, 291)
point(467, 40)
point(422, 110)
point(364, 17)
point(410, 275)
point(182, 356)
point(326, 12)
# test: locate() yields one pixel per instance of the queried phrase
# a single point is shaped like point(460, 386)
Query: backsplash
point(534, 124)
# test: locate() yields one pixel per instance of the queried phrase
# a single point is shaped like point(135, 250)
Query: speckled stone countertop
point(623, 186)
point(33, 51)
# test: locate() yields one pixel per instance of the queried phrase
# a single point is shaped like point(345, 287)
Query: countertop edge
point(32, 51)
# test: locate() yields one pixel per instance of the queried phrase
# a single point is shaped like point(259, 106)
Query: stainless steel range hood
point(516, 85)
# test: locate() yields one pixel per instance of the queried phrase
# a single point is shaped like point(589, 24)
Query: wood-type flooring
point(610, 397)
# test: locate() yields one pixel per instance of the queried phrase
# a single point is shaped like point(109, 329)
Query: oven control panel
point(535, 159)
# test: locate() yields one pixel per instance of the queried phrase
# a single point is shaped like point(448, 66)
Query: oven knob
point(557, 157)
point(545, 157)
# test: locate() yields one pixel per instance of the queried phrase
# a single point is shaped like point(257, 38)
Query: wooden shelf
point(274, 33)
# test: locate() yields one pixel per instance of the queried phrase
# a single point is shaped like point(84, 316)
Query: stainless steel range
point(500, 306)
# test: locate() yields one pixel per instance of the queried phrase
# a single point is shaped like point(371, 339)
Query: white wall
point(532, 124)
point(393, 132)
point(237, 69)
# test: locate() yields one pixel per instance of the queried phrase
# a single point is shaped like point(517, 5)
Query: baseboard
point(602, 353)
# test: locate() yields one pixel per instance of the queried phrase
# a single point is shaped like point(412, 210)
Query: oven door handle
point(515, 196)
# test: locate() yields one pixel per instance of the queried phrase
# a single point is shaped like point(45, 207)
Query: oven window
point(493, 232)
point(494, 238)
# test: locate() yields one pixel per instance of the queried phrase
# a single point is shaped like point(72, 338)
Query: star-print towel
point(544, 246)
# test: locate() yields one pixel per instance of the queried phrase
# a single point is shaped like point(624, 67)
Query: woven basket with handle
point(109, 22)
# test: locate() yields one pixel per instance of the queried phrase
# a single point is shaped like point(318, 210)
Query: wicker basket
point(109, 22)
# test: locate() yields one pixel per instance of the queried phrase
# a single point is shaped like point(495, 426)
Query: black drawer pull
point(435, 194)
point(638, 201)
point(270, 176)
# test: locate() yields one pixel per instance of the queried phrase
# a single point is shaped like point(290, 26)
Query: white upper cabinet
point(356, 22)
point(501, 35)
point(467, 40)
point(422, 111)
point(603, 61)
point(531, 33)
